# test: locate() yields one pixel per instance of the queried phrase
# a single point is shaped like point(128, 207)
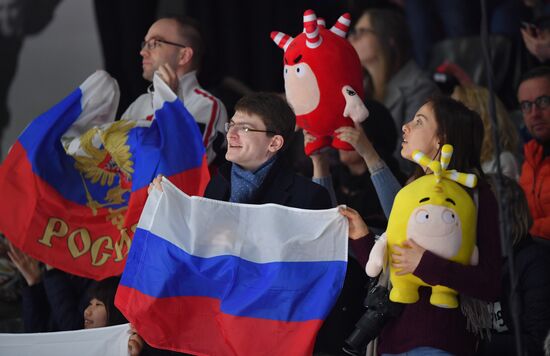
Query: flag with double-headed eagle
point(75, 182)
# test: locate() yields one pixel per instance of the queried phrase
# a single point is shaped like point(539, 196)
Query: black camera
point(379, 310)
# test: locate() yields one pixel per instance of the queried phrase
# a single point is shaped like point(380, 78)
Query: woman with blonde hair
point(477, 99)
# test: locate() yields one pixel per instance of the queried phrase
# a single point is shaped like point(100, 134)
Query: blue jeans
point(422, 351)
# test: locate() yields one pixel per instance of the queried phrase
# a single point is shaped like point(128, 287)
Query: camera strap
point(384, 276)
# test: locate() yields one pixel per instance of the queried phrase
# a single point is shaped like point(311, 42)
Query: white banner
point(108, 341)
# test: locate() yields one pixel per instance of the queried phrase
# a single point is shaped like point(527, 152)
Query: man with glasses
point(173, 48)
point(257, 134)
point(534, 100)
point(256, 173)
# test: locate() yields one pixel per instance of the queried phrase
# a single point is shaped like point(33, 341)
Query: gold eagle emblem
point(104, 156)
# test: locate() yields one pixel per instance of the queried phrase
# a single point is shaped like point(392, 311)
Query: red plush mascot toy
point(323, 80)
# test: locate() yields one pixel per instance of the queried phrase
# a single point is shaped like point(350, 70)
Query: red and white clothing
point(208, 111)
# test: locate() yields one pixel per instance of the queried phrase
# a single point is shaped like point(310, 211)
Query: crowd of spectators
point(412, 106)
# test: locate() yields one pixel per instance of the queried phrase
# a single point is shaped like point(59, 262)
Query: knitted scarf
point(245, 184)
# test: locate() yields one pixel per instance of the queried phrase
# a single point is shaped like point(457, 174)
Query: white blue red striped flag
point(216, 278)
point(77, 180)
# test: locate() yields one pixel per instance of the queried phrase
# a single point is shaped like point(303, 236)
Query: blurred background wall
point(51, 63)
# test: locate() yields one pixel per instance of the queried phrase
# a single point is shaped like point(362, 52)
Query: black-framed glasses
point(244, 128)
point(542, 102)
point(154, 43)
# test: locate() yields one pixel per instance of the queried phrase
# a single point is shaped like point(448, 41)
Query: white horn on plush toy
point(446, 154)
point(313, 39)
point(341, 26)
point(281, 39)
point(423, 160)
point(440, 168)
point(321, 22)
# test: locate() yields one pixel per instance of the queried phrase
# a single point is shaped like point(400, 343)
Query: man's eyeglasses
point(241, 128)
point(542, 102)
point(155, 42)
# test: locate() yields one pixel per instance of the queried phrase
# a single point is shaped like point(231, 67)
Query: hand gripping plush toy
point(323, 80)
point(438, 215)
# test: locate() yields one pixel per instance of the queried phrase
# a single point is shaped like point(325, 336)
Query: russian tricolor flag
point(216, 278)
point(75, 182)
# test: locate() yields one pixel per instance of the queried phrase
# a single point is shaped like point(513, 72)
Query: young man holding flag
point(256, 279)
point(257, 135)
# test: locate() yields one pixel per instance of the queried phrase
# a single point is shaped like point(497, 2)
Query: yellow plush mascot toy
point(439, 215)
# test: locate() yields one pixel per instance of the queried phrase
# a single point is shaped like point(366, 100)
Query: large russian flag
point(216, 278)
point(75, 182)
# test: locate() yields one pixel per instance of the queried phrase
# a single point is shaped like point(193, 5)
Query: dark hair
point(516, 210)
point(542, 23)
point(105, 291)
point(390, 26)
point(190, 32)
point(273, 110)
point(462, 128)
point(538, 72)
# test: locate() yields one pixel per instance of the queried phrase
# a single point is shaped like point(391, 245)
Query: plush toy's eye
point(285, 71)
point(300, 70)
point(449, 216)
point(422, 216)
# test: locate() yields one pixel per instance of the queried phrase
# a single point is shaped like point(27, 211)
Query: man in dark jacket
point(257, 174)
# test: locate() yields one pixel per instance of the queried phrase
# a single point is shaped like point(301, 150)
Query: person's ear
point(186, 55)
point(276, 143)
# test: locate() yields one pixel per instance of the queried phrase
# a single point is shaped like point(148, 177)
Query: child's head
point(102, 311)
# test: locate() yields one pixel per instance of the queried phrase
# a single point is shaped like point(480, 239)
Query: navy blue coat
point(57, 303)
point(281, 186)
point(532, 273)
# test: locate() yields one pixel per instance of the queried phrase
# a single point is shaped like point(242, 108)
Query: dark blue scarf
point(245, 184)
